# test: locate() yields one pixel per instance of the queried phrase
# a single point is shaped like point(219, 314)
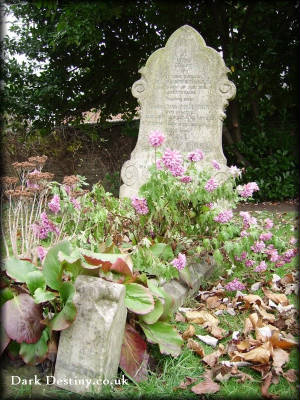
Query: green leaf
point(35, 279)
point(165, 336)
point(42, 295)
point(68, 314)
point(154, 315)
point(138, 298)
point(5, 295)
point(35, 353)
point(162, 295)
point(162, 250)
point(18, 269)
point(218, 257)
point(52, 267)
point(65, 318)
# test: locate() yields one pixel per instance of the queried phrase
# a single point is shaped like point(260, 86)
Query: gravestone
point(89, 350)
point(183, 92)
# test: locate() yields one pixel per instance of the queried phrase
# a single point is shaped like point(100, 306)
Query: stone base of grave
point(89, 350)
point(179, 290)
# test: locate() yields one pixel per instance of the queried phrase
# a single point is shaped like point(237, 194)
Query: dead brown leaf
point(215, 331)
point(195, 346)
point(283, 343)
point(260, 354)
point(262, 368)
point(253, 298)
point(188, 381)
point(288, 278)
point(280, 357)
point(213, 358)
point(189, 332)
point(265, 387)
point(179, 317)
point(200, 317)
point(290, 375)
point(207, 386)
point(278, 298)
point(264, 314)
point(213, 302)
point(250, 323)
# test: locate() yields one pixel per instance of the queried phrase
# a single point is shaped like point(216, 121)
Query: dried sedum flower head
point(70, 180)
point(8, 181)
point(39, 161)
point(26, 166)
point(38, 176)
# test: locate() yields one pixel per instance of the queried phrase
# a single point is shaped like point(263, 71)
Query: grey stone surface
point(90, 348)
point(179, 290)
point(183, 92)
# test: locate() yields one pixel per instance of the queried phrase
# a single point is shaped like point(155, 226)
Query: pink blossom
point(196, 155)
point(235, 171)
point(235, 285)
point(288, 255)
point(249, 263)
point(211, 185)
point(185, 179)
point(293, 240)
point(210, 205)
point(215, 164)
point(268, 223)
point(266, 236)
point(244, 233)
point(140, 205)
point(179, 262)
point(258, 247)
point(261, 267)
point(172, 160)
point(76, 203)
point(274, 256)
point(159, 164)
point(224, 216)
point(156, 138)
point(54, 204)
point(32, 185)
point(247, 219)
point(248, 189)
point(41, 252)
point(280, 263)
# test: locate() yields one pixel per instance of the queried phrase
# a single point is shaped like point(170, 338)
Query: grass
point(169, 372)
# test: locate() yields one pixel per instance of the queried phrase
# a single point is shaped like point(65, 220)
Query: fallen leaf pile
point(264, 344)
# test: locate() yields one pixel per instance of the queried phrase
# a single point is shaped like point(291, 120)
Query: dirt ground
point(276, 206)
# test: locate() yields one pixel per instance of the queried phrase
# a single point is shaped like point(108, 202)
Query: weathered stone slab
point(183, 92)
point(179, 290)
point(89, 350)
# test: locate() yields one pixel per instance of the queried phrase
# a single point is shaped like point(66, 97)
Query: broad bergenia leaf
point(162, 250)
point(35, 353)
point(165, 335)
point(138, 298)
point(4, 339)
point(21, 319)
point(134, 356)
point(18, 269)
point(154, 315)
point(52, 267)
point(68, 314)
point(162, 295)
point(34, 280)
point(41, 295)
point(71, 263)
point(121, 267)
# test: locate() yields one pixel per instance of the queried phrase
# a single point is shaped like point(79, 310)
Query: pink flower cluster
point(243, 256)
point(185, 179)
point(288, 255)
point(54, 204)
point(211, 185)
point(216, 165)
point(268, 223)
point(258, 247)
point(235, 171)
point(196, 155)
point(43, 228)
point(262, 266)
point(156, 138)
point(179, 262)
point(235, 285)
point(140, 205)
point(247, 219)
point(76, 203)
point(224, 216)
point(172, 160)
point(266, 236)
point(248, 189)
point(249, 263)
point(272, 253)
point(41, 251)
